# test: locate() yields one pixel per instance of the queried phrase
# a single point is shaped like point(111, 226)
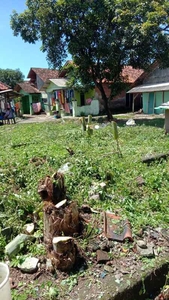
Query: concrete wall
point(92, 109)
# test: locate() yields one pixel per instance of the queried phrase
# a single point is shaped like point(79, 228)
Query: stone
point(64, 168)
point(94, 246)
point(104, 246)
point(102, 256)
point(14, 246)
point(142, 244)
point(102, 185)
point(148, 252)
point(95, 197)
point(109, 269)
point(29, 228)
point(30, 265)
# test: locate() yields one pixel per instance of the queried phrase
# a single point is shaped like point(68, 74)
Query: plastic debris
point(130, 122)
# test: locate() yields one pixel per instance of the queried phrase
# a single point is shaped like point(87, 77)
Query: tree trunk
point(106, 101)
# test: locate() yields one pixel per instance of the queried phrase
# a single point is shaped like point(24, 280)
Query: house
point(29, 95)
point(6, 94)
point(45, 90)
point(32, 99)
point(6, 101)
point(130, 76)
point(66, 100)
point(3, 86)
point(123, 101)
point(154, 89)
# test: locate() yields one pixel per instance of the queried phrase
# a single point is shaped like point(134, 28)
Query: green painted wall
point(89, 94)
point(145, 102)
point(51, 87)
point(27, 100)
point(25, 104)
point(166, 96)
point(158, 102)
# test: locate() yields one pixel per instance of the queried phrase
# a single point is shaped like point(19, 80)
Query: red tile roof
point(27, 87)
point(43, 73)
point(3, 86)
point(130, 74)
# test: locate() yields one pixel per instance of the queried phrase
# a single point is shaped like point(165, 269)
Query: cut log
point(62, 244)
point(153, 158)
point(64, 253)
point(62, 220)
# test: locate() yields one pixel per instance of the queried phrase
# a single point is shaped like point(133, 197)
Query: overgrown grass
point(29, 152)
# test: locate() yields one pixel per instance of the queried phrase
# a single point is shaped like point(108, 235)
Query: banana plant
point(83, 123)
point(116, 137)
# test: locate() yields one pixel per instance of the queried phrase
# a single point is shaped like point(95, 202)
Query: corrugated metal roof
point(60, 82)
point(6, 91)
point(150, 88)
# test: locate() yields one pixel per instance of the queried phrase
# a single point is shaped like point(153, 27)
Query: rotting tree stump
point(61, 221)
point(52, 189)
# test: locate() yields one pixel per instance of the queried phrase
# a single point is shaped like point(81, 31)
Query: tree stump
point(61, 222)
point(64, 254)
point(52, 188)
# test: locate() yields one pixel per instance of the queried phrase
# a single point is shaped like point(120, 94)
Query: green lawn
point(95, 160)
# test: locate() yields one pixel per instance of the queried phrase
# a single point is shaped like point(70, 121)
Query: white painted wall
point(92, 109)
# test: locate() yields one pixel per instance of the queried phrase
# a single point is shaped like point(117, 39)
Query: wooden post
point(134, 97)
point(166, 121)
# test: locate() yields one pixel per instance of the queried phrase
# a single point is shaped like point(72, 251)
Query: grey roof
point(6, 91)
point(59, 83)
point(150, 88)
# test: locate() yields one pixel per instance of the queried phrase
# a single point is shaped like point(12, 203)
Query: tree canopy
point(101, 35)
point(11, 77)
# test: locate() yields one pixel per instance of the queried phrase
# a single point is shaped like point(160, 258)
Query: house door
point(151, 103)
point(25, 105)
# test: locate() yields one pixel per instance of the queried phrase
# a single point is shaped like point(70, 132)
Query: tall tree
point(11, 77)
point(101, 35)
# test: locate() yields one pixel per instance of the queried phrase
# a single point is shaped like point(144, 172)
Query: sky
point(14, 52)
